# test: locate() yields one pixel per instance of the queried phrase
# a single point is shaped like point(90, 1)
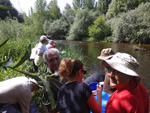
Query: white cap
point(43, 37)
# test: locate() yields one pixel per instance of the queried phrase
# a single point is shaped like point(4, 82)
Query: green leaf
point(50, 94)
point(7, 63)
point(25, 57)
point(4, 42)
point(5, 7)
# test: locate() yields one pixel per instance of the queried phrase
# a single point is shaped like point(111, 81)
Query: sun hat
point(123, 63)
point(106, 54)
point(43, 37)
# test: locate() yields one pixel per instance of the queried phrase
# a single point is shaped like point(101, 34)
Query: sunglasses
point(83, 71)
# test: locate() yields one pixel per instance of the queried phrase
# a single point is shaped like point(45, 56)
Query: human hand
point(99, 89)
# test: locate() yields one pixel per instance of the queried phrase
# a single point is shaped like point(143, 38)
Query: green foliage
point(108, 39)
point(10, 28)
point(68, 13)
point(99, 30)
point(13, 29)
point(54, 11)
point(5, 7)
point(38, 17)
point(132, 4)
point(102, 6)
point(79, 29)
point(9, 51)
point(57, 29)
point(83, 4)
point(133, 27)
point(116, 7)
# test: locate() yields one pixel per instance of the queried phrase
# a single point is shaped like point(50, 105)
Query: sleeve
point(96, 77)
point(87, 91)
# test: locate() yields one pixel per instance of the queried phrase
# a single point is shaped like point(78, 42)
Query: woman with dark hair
point(76, 96)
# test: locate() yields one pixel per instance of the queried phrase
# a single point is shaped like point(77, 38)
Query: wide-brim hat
point(106, 54)
point(123, 63)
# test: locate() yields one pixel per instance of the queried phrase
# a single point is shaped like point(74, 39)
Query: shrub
point(99, 30)
point(133, 27)
point(57, 29)
point(79, 30)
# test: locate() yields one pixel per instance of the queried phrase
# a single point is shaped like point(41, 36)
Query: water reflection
point(92, 49)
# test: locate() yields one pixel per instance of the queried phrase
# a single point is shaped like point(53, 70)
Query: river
point(91, 50)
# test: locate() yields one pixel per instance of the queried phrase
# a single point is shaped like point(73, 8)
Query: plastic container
point(105, 96)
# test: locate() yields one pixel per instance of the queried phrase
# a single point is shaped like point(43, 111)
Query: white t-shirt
point(41, 48)
point(33, 53)
point(16, 90)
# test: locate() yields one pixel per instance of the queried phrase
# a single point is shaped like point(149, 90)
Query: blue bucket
point(93, 85)
point(105, 96)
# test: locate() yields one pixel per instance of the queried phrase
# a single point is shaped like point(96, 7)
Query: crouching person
point(16, 94)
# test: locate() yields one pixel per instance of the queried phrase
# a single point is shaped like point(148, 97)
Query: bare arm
point(96, 106)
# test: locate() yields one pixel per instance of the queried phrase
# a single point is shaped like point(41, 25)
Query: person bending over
point(15, 93)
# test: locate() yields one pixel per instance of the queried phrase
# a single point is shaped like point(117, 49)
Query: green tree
point(116, 7)
point(68, 13)
point(90, 4)
point(132, 4)
point(102, 6)
point(82, 4)
point(133, 27)
point(79, 30)
point(57, 29)
point(38, 16)
point(99, 30)
point(54, 10)
point(9, 11)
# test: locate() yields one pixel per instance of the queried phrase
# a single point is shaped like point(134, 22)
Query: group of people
point(120, 80)
point(39, 49)
point(73, 95)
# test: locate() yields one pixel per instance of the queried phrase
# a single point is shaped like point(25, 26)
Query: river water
point(92, 49)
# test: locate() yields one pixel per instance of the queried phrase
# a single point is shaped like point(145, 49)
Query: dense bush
point(79, 30)
point(116, 7)
point(99, 30)
point(133, 27)
point(10, 29)
point(57, 29)
point(13, 29)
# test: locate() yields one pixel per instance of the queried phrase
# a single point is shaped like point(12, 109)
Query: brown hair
point(68, 67)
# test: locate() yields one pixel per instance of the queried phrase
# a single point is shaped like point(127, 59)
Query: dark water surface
point(92, 49)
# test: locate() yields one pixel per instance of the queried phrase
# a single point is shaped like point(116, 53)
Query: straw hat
point(123, 63)
point(106, 54)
